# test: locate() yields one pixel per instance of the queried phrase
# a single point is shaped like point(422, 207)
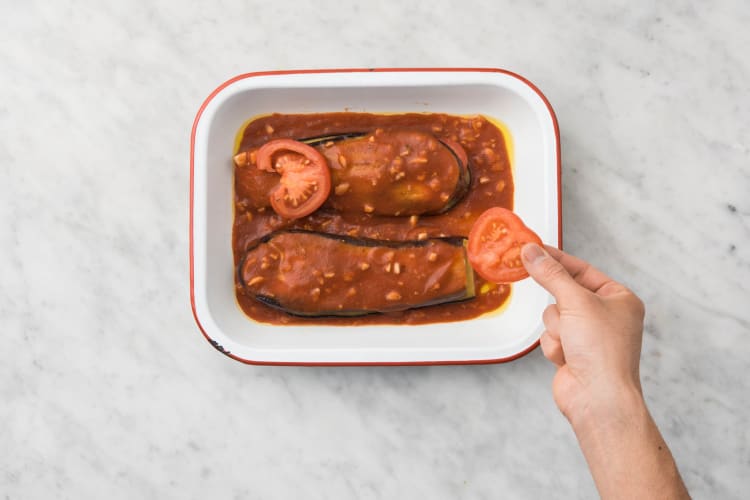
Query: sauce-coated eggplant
point(397, 173)
point(315, 274)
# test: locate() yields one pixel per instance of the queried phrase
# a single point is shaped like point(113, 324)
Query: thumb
point(549, 273)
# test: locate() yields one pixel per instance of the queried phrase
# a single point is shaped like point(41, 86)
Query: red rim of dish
point(365, 70)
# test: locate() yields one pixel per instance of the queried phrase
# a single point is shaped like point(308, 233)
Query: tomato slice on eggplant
point(495, 243)
point(305, 177)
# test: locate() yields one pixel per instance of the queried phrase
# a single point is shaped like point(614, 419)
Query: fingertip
point(547, 271)
point(531, 252)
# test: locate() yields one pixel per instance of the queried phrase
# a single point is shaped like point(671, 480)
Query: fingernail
point(532, 252)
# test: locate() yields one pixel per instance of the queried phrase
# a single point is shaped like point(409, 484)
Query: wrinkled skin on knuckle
point(552, 270)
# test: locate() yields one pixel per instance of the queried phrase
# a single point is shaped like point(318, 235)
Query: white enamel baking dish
point(498, 94)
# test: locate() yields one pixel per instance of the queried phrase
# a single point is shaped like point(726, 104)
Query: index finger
point(584, 273)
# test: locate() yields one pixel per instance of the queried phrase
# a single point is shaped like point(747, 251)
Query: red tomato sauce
point(491, 186)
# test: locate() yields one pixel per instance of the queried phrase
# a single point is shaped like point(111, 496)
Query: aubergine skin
point(312, 274)
point(394, 173)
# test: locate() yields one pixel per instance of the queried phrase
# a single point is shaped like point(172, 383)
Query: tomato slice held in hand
point(305, 177)
point(495, 243)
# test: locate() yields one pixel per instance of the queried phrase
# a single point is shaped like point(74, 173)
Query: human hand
point(593, 334)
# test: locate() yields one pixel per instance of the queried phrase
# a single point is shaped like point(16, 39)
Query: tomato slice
point(495, 242)
point(305, 177)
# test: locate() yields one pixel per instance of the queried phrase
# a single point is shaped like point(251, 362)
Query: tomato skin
point(305, 177)
point(495, 242)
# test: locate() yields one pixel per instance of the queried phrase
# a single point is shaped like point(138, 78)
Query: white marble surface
point(107, 390)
